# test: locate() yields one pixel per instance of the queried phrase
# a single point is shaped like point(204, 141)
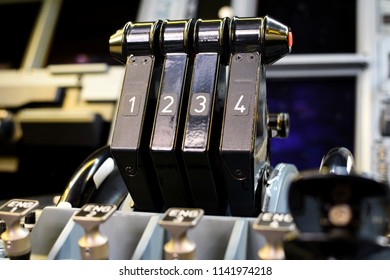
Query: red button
point(290, 39)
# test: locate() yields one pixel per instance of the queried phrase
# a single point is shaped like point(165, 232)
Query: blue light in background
point(322, 116)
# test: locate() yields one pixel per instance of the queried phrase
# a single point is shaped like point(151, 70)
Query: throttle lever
point(136, 44)
point(203, 121)
point(255, 42)
point(166, 139)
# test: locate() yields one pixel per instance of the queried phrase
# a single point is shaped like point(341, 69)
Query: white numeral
point(238, 107)
point(132, 101)
point(202, 104)
point(166, 110)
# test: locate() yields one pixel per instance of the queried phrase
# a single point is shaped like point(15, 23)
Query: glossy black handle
point(88, 177)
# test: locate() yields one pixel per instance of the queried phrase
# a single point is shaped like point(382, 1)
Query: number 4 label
point(241, 106)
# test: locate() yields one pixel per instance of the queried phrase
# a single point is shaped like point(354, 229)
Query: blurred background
point(59, 83)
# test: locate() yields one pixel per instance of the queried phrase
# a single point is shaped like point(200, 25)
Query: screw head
point(237, 58)
point(130, 171)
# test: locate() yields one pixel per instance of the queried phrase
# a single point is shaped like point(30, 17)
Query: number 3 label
point(200, 104)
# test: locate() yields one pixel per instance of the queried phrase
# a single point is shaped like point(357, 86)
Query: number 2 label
point(167, 105)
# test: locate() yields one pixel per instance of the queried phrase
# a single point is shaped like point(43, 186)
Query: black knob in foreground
point(354, 205)
point(338, 216)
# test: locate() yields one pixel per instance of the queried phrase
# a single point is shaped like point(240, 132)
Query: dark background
point(321, 110)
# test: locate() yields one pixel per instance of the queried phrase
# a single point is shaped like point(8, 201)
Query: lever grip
point(88, 178)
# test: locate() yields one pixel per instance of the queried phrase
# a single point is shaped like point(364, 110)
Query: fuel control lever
point(93, 245)
point(274, 227)
point(178, 221)
point(16, 238)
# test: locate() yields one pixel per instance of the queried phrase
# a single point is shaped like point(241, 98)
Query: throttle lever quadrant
point(136, 45)
point(255, 43)
point(168, 126)
point(204, 117)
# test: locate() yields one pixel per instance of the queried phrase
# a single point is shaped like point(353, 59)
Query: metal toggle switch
point(16, 238)
point(274, 227)
point(94, 245)
point(255, 42)
point(279, 125)
point(177, 221)
point(136, 44)
point(166, 139)
point(204, 117)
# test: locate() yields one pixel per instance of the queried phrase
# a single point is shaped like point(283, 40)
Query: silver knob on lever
point(177, 221)
point(94, 245)
point(279, 124)
point(16, 238)
point(338, 161)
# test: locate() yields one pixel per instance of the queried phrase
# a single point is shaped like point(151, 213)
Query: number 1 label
point(131, 105)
